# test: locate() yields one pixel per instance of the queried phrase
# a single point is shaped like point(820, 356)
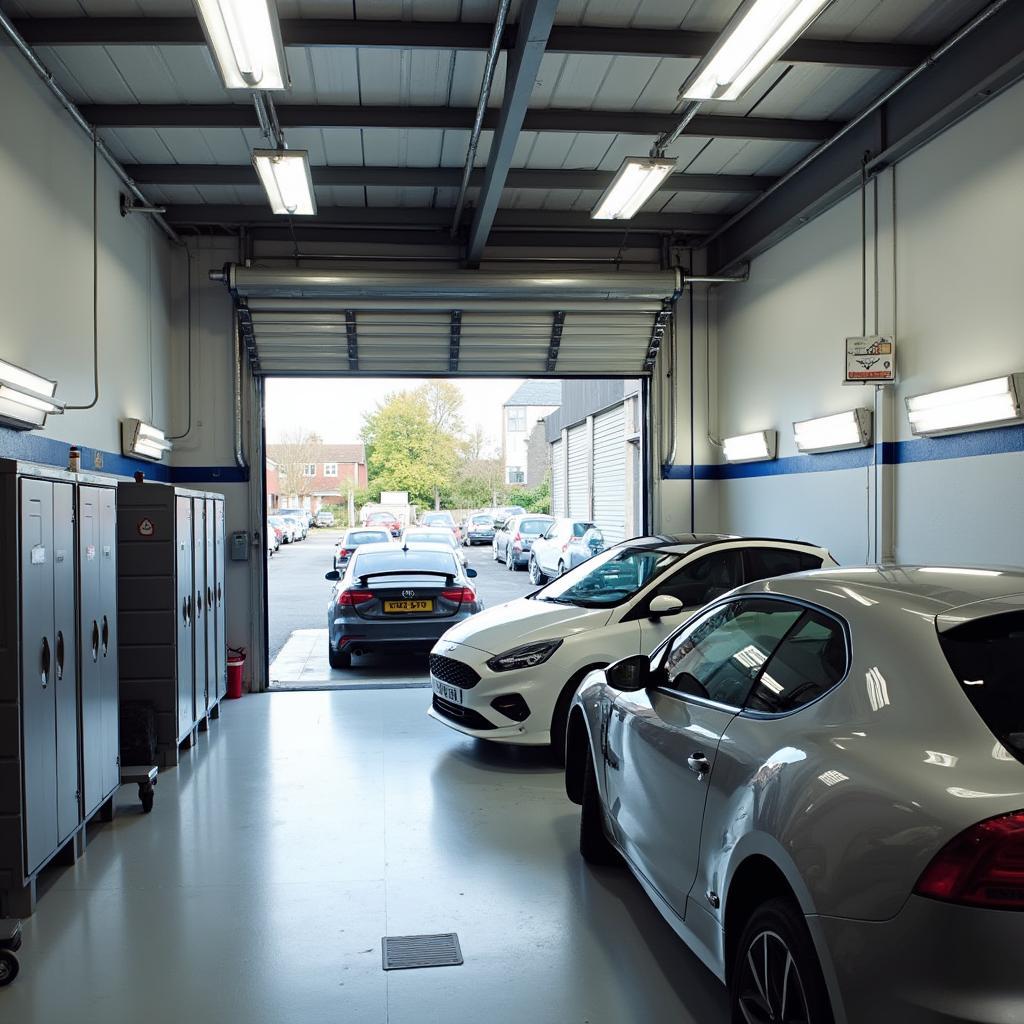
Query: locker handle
point(106, 636)
point(219, 594)
point(209, 597)
point(199, 603)
point(188, 608)
point(60, 654)
point(45, 662)
point(95, 640)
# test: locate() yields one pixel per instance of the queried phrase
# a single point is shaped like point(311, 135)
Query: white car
point(510, 672)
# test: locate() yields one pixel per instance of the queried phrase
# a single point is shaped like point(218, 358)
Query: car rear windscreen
point(357, 537)
point(405, 561)
point(987, 656)
point(534, 525)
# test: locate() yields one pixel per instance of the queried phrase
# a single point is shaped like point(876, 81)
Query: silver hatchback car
point(819, 780)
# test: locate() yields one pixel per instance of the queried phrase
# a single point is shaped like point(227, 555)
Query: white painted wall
point(46, 272)
point(958, 315)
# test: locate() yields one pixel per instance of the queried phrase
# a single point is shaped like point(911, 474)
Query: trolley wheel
point(146, 795)
point(9, 967)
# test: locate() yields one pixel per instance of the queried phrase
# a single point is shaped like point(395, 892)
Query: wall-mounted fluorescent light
point(834, 433)
point(634, 183)
point(754, 38)
point(143, 440)
point(757, 447)
point(284, 175)
point(26, 399)
point(978, 406)
point(245, 39)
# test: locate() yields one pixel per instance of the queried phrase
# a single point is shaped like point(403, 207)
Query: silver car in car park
point(819, 780)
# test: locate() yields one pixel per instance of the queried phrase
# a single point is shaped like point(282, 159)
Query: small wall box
point(240, 546)
point(871, 360)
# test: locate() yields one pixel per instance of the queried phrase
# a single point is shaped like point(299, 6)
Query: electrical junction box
point(240, 546)
point(871, 360)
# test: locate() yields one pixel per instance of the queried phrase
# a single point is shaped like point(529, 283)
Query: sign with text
point(871, 360)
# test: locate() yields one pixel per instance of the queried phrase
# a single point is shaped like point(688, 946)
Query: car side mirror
point(664, 604)
point(629, 674)
point(333, 575)
point(471, 573)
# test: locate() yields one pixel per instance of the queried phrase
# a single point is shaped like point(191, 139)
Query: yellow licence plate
point(408, 606)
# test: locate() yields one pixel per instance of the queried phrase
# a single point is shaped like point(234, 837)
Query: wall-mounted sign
point(871, 360)
point(145, 528)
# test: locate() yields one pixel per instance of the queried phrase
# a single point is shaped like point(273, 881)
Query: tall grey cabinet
point(58, 714)
point(171, 594)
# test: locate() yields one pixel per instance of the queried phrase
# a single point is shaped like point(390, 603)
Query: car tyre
point(537, 578)
point(775, 955)
point(494, 551)
point(510, 558)
point(595, 846)
point(561, 568)
point(338, 659)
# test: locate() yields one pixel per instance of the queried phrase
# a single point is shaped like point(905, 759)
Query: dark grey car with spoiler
point(397, 599)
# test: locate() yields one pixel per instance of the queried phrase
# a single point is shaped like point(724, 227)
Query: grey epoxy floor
point(303, 828)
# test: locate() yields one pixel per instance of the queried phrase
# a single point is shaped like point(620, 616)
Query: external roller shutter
point(610, 474)
point(557, 480)
point(579, 472)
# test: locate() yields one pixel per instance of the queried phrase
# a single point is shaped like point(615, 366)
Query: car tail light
point(350, 598)
point(981, 867)
point(343, 552)
point(459, 594)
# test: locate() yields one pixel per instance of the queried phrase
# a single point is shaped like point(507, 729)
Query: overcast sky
point(335, 408)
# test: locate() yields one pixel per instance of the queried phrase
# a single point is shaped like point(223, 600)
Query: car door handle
point(699, 764)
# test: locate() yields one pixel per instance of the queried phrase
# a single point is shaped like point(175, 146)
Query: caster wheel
point(9, 967)
point(147, 796)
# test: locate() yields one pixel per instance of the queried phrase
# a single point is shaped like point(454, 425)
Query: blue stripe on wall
point(1000, 441)
point(29, 447)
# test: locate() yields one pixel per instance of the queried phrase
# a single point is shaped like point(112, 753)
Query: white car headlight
point(524, 657)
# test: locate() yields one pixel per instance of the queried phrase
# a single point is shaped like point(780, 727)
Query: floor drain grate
point(403, 952)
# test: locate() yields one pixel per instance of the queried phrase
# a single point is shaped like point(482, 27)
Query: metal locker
point(39, 719)
point(199, 590)
point(89, 618)
point(221, 675)
point(65, 674)
point(184, 546)
point(107, 557)
point(210, 553)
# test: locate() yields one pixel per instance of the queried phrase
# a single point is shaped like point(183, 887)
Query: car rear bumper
point(933, 963)
point(372, 635)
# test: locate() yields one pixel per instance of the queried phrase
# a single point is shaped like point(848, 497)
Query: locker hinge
point(117, 760)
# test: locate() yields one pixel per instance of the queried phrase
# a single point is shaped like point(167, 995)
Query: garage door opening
point(523, 478)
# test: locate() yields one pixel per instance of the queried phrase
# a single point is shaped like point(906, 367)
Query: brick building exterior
point(314, 475)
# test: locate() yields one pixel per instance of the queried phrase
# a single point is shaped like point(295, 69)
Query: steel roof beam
point(433, 35)
point(435, 177)
point(557, 119)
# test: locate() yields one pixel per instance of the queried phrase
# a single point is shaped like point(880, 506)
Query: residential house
point(317, 474)
point(532, 401)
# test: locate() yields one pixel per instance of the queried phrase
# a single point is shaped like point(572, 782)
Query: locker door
point(111, 749)
point(186, 600)
point(210, 552)
point(39, 720)
point(65, 674)
point(90, 618)
point(222, 652)
point(199, 591)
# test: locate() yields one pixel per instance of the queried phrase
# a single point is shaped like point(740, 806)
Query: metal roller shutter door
point(579, 472)
point(610, 474)
point(557, 480)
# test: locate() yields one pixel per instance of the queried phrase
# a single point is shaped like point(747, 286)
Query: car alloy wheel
point(561, 568)
point(536, 576)
point(510, 559)
point(494, 551)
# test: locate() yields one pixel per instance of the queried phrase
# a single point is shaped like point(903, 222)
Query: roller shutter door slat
point(557, 480)
point(579, 472)
point(610, 474)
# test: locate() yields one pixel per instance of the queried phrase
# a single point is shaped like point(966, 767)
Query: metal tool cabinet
point(171, 594)
point(58, 703)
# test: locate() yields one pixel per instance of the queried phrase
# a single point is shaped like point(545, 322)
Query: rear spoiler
point(953, 617)
point(449, 577)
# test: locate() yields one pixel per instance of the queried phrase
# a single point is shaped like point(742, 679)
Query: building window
point(309, 470)
point(517, 419)
point(330, 469)
point(515, 475)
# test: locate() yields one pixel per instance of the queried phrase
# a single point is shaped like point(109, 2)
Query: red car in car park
point(388, 520)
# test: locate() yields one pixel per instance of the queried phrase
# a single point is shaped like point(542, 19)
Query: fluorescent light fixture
point(834, 433)
point(754, 39)
point(143, 440)
point(757, 447)
point(284, 175)
point(244, 37)
point(978, 406)
point(634, 183)
point(26, 399)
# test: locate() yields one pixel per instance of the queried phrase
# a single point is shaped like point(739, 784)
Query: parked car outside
point(302, 518)
point(274, 534)
point(386, 519)
point(509, 674)
point(845, 756)
point(413, 535)
point(562, 548)
point(445, 519)
point(503, 513)
point(477, 528)
point(286, 526)
point(512, 541)
point(353, 538)
point(271, 543)
point(298, 520)
point(325, 517)
point(396, 598)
